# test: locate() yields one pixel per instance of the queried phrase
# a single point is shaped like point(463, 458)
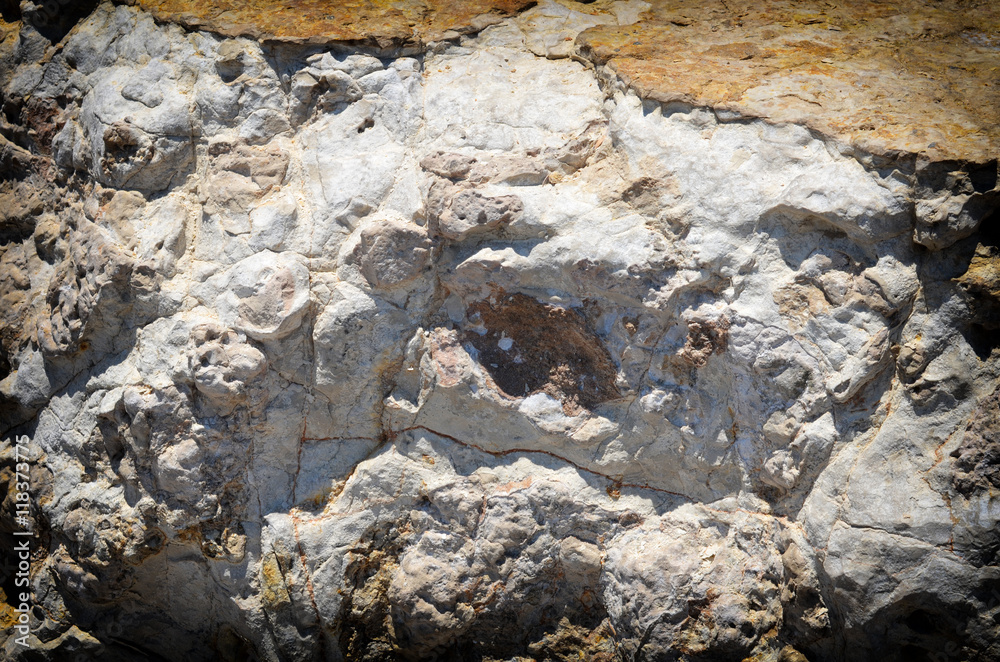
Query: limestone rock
point(392, 253)
point(501, 330)
point(264, 295)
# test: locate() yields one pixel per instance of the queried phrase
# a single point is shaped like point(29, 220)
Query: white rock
point(265, 295)
point(416, 352)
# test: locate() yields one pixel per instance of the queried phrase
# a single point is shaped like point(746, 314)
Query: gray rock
point(478, 354)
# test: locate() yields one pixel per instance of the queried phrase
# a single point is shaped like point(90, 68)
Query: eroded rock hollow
point(500, 330)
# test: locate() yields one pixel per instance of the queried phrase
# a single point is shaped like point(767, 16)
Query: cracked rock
point(500, 330)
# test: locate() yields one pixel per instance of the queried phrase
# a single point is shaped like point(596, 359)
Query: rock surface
point(502, 330)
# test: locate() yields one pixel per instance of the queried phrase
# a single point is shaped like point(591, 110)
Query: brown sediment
point(529, 347)
point(382, 23)
point(913, 76)
point(977, 459)
point(704, 339)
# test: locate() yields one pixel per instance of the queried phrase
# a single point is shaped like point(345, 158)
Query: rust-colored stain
point(8, 612)
point(910, 76)
point(322, 21)
point(515, 486)
point(274, 592)
point(448, 356)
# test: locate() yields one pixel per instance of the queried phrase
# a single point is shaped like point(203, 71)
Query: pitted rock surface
point(616, 330)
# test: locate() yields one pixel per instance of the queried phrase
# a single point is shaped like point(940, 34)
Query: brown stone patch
point(573, 642)
point(800, 302)
point(41, 116)
point(700, 621)
point(738, 51)
point(273, 590)
point(380, 22)
point(393, 252)
point(265, 165)
point(367, 630)
point(703, 340)
point(548, 349)
point(914, 76)
point(449, 357)
point(977, 459)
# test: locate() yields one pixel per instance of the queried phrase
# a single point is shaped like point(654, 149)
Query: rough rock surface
point(502, 330)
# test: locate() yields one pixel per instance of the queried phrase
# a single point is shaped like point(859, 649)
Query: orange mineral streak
point(405, 22)
point(908, 76)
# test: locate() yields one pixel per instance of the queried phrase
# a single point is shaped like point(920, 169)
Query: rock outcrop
point(501, 330)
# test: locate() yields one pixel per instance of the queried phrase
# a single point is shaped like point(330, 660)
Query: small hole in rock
point(982, 340)
point(921, 622)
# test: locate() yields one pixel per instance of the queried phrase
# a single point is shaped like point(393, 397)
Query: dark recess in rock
point(52, 18)
point(977, 460)
point(549, 349)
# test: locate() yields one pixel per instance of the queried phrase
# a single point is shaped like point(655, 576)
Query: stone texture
point(609, 330)
point(313, 21)
point(914, 77)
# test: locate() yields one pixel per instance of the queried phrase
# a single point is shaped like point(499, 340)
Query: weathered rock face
point(502, 330)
